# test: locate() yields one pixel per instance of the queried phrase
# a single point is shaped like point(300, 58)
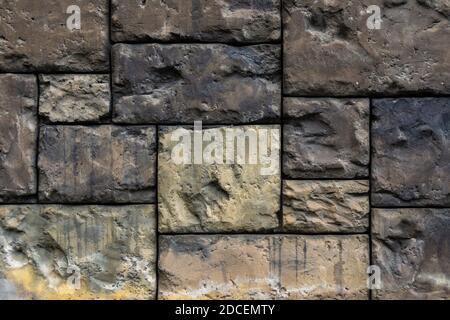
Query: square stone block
point(326, 138)
point(334, 48)
point(326, 206)
point(181, 83)
point(263, 267)
point(78, 252)
point(100, 164)
point(35, 36)
point(412, 249)
point(223, 195)
point(196, 20)
point(18, 136)
point(410, 152)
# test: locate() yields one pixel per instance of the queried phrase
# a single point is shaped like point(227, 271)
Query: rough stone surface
point(263, 267)
point(217, 197)
point(326, 138)
point(326, 206)
point(186, 82)
point(411, 152)
point(100, 164)
point(412, 248)
point(205, 20)
point(329, 49)
point(81, 252)
point(74, 98)
point(18, 135)
point(34, 36)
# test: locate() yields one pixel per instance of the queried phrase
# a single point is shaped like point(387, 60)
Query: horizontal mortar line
point(57, 72)
point(282, 233)
point(371, 96)
point(74, 204)
point(285, 178)
point(411, 207)
point(199, 42)
point(172, 124)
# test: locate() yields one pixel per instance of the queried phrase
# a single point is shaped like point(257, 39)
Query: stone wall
point(93, 205)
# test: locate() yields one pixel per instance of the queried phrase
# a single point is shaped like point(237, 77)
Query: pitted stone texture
point(412, 248)
point(326, 206)
point(34, 36)
point(186, 82)
point(326, 138)
point(330, 50)
point(100, 164)
point(74, 98)
point(411, 157)
point(78, 252)
point(217, 197)
point(18, 136)
point(244, 21)
point(263, 267)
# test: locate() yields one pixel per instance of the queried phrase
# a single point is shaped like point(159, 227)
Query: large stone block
point(218, 197)
point(263, 267)
point(74, 98)
point(200, 20)
point(99, 164)
point(326, 206)
point(326, 138)
point(78, 252)
point(34, 36)
point(411, 159)
point(186, 82)
point(412, 248)
point(330, 49)
point(18, 136)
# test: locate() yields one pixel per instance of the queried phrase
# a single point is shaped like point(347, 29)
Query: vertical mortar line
point(157, 215)
point(370, 189)
point(280, 216)
point(38, 133)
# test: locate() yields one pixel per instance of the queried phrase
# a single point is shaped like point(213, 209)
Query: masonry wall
point(92, 205)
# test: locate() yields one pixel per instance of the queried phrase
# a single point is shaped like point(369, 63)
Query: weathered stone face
point(326, 138)
point(186, 82)
point(329, 49)
point(199, 20)
point(263, 267)
point(326, 206)
point(412, 248)
point(34, 36)
point(214, 197)
point(18, 135)
point(81, 252)
point(99, 164)
point(411, 160)
point(74, 98)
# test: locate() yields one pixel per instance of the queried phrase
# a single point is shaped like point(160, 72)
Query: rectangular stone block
point(35, 36)
point(186, 82)
point(100, 164)
point(74, 98)
point(326, 206)
point(410, 153)
point(411, 247)
point(326, 138)
point(78, 252)
point(263, 267)
point(337, 48)
point(196, 20)
point(18, 136)
point(224, 194)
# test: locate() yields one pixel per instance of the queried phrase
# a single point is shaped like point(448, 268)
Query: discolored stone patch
point(199, 20)
point(263, 267)
point(329, 49)
point(326, 138)
point(18, 135)
point(226, 196)
point(74, 98)
point(34, 36)
point(78, 252)
point(326, 206)
point(99, 164)
point(412, 248)
point(411, 159)
point(187, 82)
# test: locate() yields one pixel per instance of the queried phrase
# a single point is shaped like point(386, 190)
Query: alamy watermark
point(73, 22)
